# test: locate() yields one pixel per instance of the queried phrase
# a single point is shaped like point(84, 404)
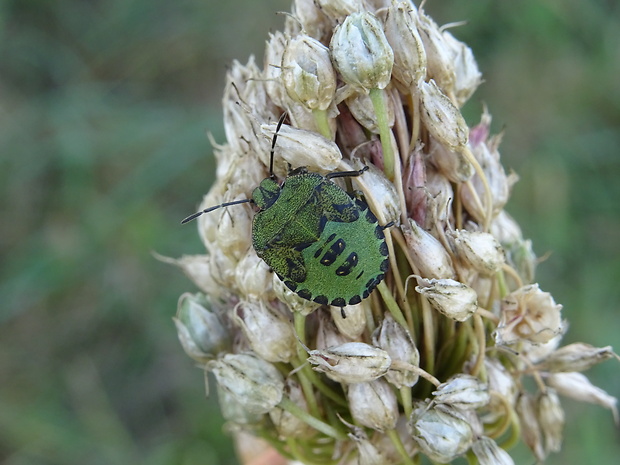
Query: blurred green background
point(104, 107)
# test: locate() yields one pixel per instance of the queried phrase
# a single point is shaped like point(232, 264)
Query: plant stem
point(377, 97)
point(294, 409)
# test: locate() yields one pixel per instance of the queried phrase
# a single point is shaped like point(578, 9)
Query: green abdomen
point(346, 263)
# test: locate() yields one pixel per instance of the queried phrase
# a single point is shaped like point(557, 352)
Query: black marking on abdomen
point(372, 283)
point(348, 265)
point(383, 249)
point(333, 253)
point(305, 294)
point(321, 299)
point(370, 216)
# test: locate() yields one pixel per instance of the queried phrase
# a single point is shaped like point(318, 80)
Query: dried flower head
point(436, 360)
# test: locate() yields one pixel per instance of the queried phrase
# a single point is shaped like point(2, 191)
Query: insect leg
point(344, 174)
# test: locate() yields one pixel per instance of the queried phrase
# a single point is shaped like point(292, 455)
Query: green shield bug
point(323, 243)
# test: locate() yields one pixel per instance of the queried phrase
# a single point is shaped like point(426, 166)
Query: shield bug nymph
point(323, 243)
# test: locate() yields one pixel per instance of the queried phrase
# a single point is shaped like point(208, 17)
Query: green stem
point(300, 329)
point(294, 409)
point(306, 386)
point(480, 342)
point(392, 306)
point(405, 394)
point(395, 438)
point(322, 123)
point(378, 99)
point(429, 335)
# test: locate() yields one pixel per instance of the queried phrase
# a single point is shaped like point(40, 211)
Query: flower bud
point(287, 424)
point(223, 268)
point(234, 411)
point(368, 454)
point(337, 10)
point(453, 299)
point(578, 387)
point(505, 229)
point(379, 192)
point(361, 52)
point(198, 269)
point(274, 50)
point(251, 381)
point(238, 122)
point(311, 17)
point(269, 335)
point(354, 324)
point(501, 383)
point(292, 149)
point(352, 362)
point(439, 63)
point(478, 250)
point(551, 419)
point(428, 254)
point(327, 334)
point(373, 404)
point(233, 228)
point(200, 331)
point(440, 194)
point(467, 76)
point(576, 357)
point(441, 431)
point(398, 343)
point(530, 428)
point(519, 253)
point(487, 154)
point(402, 35)
point(488, 452)
point(442, 119)
point(528, 314)
point(253, 276)
point(307, 73)
point(462, 391)
point(417, 196)
point(454, 165)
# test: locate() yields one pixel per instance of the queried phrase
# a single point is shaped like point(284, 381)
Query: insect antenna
point(210, 209)
point(273, 143)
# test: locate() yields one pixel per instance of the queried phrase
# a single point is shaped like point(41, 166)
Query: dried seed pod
point(307, 73)
point(373, 404)
point(454, 299)
point(200, 330)
point(361, 52)
point(250, 380)
point(352, 362)
point(442, 432)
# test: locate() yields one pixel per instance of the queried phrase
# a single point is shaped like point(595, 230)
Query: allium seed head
point(359, 264)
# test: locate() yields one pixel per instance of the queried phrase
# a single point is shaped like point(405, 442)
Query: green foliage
point(103, 108)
